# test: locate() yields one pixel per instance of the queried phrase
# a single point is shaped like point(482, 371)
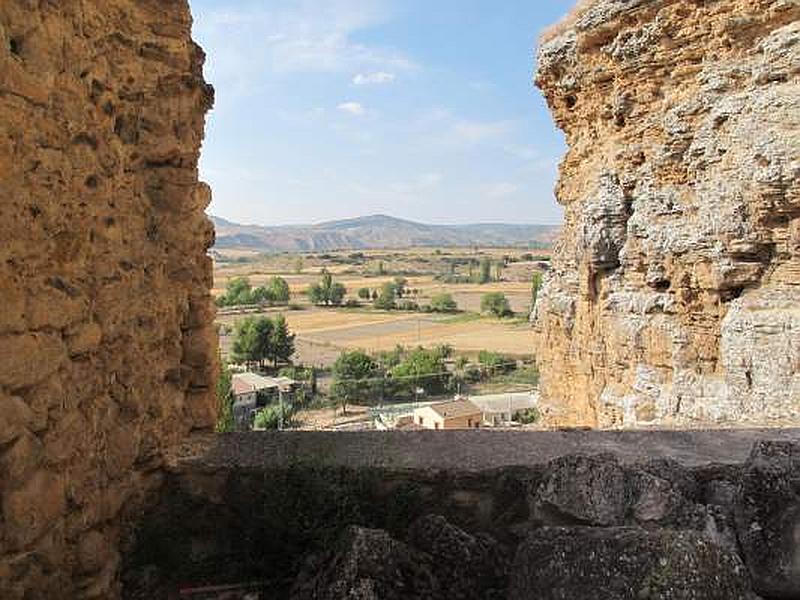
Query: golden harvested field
point(323, 333)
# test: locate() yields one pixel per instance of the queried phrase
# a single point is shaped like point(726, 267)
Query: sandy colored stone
point(104, 276)
point(29, 511)
point(15, 417)
point(675, 284)
point(12, 315)
point(27, 359)
point(21, 458)
point(84, 338)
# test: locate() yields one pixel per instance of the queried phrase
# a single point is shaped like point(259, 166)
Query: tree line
point(239, 292)
point(361, 378)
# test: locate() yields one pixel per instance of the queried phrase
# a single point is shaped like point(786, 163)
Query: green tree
point(386, 299)
point(238, 287)
point(354, 375)
point(485, 273)
point(261, 295)
point(391, 358)
point(281, 346)
point(298, 265)
point(443, 303)
point(279, 290)
point(497, 304)
point(245, 344)
point(327, 292)
point(238, 291)
point(424, 369)
point(315, 294)
point(263, 328)
point(252, 340)
point(225, 422)
point(337, 294)
point(364, 293)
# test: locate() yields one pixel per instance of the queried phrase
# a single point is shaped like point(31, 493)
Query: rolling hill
point(377, 231)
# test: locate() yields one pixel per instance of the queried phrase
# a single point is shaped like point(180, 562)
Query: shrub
point(270, 417)
point(495, 363)
point(386, 299)
point(497, 304)
point(527, 416)
point(443, 303)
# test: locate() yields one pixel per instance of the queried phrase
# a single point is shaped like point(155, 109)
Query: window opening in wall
point(354, 271)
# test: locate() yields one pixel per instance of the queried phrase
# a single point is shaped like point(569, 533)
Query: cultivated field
point(323, 332)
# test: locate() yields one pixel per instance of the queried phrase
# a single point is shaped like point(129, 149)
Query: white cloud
point(379, 77)
point(417, 185)
point(501, 190)
point(296, 36)
point(353, 108)
point(479, 131)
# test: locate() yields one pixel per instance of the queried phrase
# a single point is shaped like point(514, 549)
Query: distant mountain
point(376, 231)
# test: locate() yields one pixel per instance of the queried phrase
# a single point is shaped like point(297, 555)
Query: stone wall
point(676, 282)
point(106, 347)
point(477, 515)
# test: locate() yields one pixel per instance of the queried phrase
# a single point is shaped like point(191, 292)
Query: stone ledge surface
point(467, 451)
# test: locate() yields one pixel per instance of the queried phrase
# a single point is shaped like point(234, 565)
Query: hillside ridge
point(376, 231)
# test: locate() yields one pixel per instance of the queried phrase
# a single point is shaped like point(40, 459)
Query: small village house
point(252, 391)
point(456, 414)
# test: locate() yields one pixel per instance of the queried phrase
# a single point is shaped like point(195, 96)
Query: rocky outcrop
point(106, 346)
point(676, 281)
point(442, 561)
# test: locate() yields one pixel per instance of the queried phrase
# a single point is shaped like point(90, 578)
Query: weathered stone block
point(768, 518)
point(30, 510)
point(622, 563)
point(15, 418)
point(27, 359)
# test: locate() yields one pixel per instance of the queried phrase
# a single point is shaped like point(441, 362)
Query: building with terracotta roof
point(456, 414)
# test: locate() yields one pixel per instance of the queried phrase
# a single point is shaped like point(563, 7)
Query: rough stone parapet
point(441, 515)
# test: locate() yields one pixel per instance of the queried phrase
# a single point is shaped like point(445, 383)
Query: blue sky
point(422, 109)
